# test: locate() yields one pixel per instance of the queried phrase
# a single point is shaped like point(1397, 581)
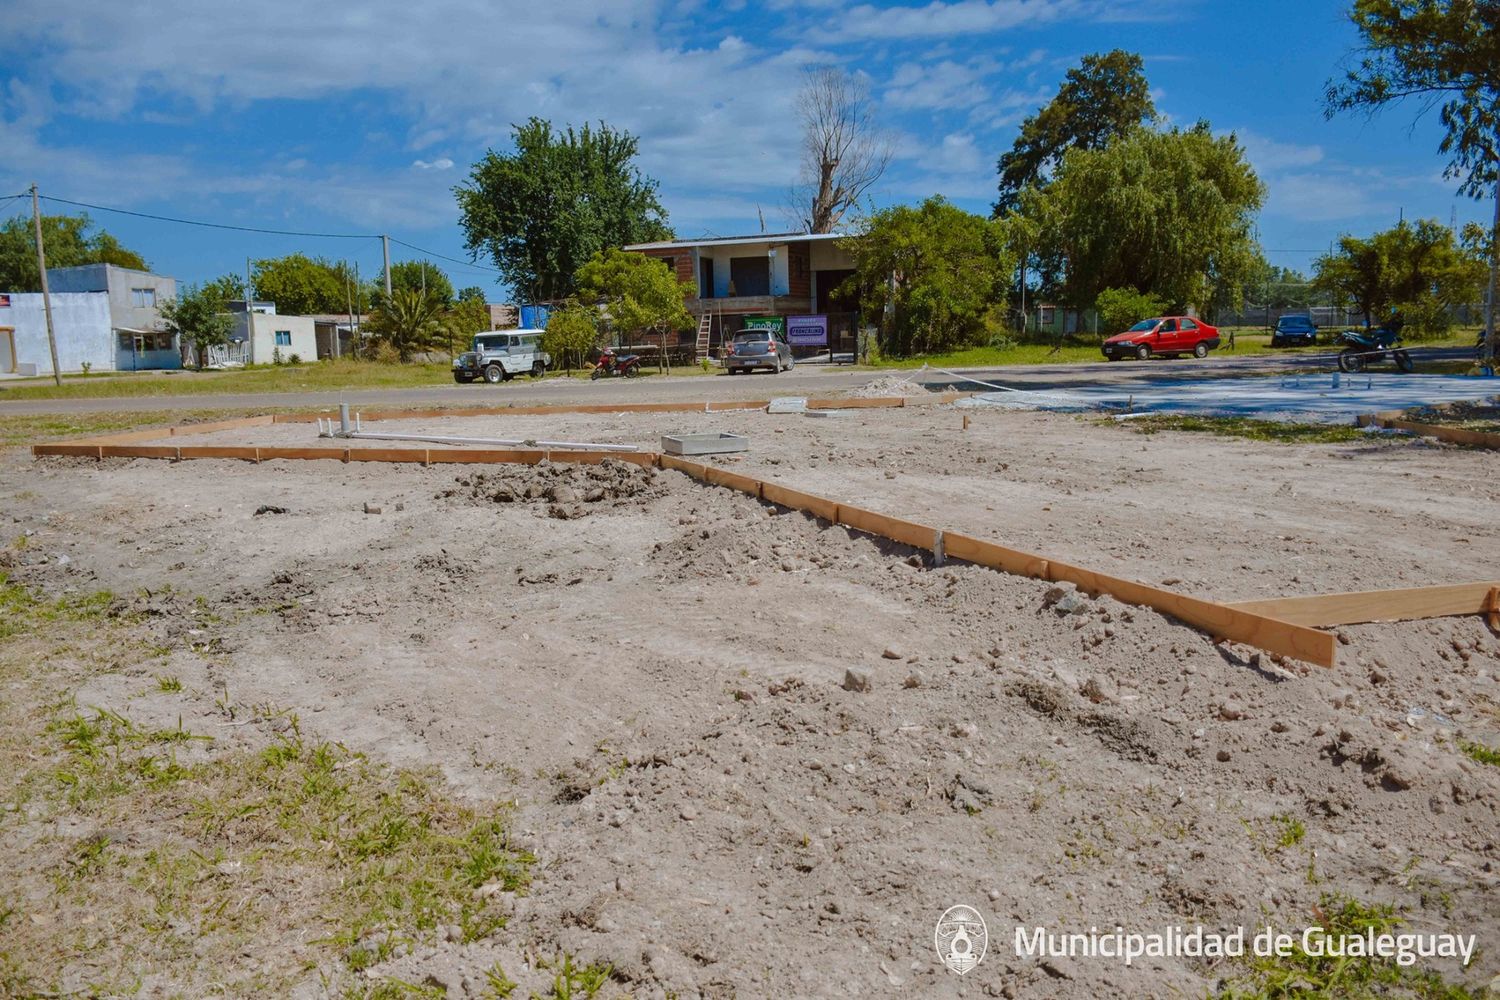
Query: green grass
point(1480, 753)
point(1244, 427)
point(353, 858)
point(17, 430)
point(343, 374)
point(1301, 976)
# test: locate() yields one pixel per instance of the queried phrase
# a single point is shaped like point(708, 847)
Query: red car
point(1170, 336)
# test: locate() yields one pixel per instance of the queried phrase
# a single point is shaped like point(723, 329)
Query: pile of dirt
point(888, 386)
point(570, 490)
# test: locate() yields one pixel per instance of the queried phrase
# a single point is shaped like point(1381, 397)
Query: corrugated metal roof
point(718, 241)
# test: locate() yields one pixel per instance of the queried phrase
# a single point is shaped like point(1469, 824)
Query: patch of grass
point(1481, 753)
point(168, 685)
point(570, 982)
point(34, 428)
point(22, 609)
point(1291, 830)
point(190, 852)
point(1243, 427)
point(1301, 976)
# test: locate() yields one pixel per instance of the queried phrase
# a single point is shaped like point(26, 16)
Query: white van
point(502, 354)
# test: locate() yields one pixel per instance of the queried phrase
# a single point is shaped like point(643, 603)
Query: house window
point(283, 338)
point(143, 298)
point(1045, 315)
point(750, 275)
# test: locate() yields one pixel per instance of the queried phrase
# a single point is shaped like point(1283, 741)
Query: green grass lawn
point(36, 428)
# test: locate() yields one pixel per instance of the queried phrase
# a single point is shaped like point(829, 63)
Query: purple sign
point(807, 331)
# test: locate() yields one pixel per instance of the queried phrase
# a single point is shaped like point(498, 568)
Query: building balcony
point(757, 305)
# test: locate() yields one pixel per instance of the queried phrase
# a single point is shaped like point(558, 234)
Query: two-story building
point(788, 280)
point(104, 317)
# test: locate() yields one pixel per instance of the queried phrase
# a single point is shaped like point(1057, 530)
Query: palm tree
point(409, 322)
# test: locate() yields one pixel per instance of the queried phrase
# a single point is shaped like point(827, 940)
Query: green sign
point(777, 323)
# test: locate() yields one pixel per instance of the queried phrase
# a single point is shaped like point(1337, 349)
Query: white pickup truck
point(502, 354)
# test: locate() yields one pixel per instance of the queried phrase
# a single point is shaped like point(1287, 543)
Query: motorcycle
point(1365, 347)
point(611, 365)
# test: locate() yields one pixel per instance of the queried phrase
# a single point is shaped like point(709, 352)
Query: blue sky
point(361, 117)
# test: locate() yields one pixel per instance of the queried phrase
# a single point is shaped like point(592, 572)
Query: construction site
point(736, 699)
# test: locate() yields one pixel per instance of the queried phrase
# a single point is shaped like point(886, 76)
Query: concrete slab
point(1321, 398)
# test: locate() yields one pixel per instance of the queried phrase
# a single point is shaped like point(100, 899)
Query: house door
point(705, 277)
point(7, 349)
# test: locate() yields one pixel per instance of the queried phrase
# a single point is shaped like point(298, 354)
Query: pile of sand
point(888, 386)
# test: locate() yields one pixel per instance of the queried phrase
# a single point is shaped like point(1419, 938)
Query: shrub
point(1426, 319)
point(295, 359)
point(1119, 308)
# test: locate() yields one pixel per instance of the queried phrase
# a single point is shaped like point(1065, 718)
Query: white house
point(103, 316)
point(270, 336)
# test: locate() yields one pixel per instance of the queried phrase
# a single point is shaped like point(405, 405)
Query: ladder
point(705, 325)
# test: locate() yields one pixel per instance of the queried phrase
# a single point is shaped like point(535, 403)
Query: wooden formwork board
point(1453, 435)
point(1278, 625)
point(1407, 604)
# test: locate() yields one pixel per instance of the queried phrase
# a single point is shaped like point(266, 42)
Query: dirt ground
point(654, 673)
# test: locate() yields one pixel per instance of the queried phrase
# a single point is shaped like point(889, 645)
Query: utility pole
point(1489, 300)
point(249, 311)
point(41, 264)
point(385, 246)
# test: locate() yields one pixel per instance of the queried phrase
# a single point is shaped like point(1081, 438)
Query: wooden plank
point(919, 536)
point(403, 455)
point(733, 480)
point(994, 556)
point(856, 403)
point(219, 451)
point(1406, 604)
point(1492, 608)
point(69, 448)
point(138, 451)
point(1222, 621)
point(695, 469)
point(327, 452)
point(785, 496)
point(1453, 435)
point(484, 456)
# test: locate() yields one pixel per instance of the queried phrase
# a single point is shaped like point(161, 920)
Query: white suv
point(501, 355)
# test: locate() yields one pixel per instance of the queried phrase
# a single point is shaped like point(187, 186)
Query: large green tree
point(1412, 272)
point(541, 212)
point(640, 293)
point(1104, 96)
point(928, 275)
point(70, 240)
point(1167, 212)
point(1445, 54)
point(417, 276)
point(301, 285)
point(197, 316)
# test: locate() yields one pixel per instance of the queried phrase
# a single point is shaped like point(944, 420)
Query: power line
point(453, 260)
point(213, 225)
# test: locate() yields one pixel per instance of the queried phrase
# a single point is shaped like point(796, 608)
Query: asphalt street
point(805, 380)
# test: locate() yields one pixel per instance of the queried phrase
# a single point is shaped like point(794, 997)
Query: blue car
point(1294, 331)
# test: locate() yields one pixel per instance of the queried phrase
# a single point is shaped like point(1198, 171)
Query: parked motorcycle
point(1366, 347)
point(611, 365)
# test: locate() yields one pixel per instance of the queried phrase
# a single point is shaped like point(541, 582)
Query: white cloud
point(942, 85)
point(442, 163)
point(971, 17)
point(1268, 155)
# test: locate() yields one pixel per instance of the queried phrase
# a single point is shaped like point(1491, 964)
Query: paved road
point(806, 380)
